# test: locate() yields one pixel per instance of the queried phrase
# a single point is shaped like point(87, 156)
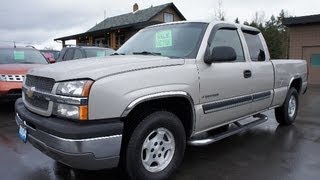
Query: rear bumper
point(90, 153)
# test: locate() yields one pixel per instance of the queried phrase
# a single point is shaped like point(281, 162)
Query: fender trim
point(156, 96)
point(294, 78)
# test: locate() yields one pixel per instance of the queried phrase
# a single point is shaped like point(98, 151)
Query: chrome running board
point(240, 127)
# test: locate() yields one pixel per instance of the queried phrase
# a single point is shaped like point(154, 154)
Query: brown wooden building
point(305, 43)
point(114, 31)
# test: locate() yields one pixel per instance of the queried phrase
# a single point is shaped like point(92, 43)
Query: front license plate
point(23, 134)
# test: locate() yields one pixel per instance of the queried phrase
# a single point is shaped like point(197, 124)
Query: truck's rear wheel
point(156, 147)
point(287, 113)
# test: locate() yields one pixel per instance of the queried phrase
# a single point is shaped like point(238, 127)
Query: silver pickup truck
point(169, 85)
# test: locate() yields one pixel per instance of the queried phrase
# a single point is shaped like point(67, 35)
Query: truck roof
point(243, 27)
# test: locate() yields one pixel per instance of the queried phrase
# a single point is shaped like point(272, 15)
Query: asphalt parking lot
point(267, 151)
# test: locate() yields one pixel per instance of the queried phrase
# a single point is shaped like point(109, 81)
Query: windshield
point(21, 56)
point(98, 52)
point(175, 40)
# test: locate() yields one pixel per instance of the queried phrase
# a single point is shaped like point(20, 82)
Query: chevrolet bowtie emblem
point(30, 91)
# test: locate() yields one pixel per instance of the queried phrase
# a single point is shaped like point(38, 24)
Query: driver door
point(225, 87)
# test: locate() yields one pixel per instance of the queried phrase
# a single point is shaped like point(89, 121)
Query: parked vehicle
point(14, 64)
point(51, 55)
point(80, 52)
point(169, 85)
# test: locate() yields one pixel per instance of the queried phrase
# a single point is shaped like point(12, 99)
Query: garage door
point(312, 55)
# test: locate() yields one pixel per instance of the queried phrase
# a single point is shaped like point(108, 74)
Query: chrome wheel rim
point(292, 106)
point(157, 150)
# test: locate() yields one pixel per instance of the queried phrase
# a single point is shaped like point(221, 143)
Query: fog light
point(71, 111)
point(67, 111)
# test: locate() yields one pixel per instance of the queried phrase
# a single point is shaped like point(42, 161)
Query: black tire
point(282, 112)
point(154, 121)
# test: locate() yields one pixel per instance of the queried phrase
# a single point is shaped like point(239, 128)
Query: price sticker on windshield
point(101, 53)
point(164, 39)
point(18, 55)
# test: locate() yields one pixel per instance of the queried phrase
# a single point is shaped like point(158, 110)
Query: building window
point(120, 39)
point(99, 42)
point(315, 60)
point(167, 17)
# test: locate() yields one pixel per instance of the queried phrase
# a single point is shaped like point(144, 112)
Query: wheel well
point(296, 83)
point(180, 106)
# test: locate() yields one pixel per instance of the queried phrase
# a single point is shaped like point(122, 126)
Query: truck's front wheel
point(156, 147)
point(287, 113)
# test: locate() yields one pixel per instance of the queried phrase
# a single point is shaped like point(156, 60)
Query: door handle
point(247, 74)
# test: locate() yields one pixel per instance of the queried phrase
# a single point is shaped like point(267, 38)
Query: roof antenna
point(14, 44)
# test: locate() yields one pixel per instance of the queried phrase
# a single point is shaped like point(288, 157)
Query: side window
point(255, 46)
point(68, 55)
point(77, 54)
point(230, 38)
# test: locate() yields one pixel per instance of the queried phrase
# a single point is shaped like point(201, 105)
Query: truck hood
point(96, 68)
point(17, 69)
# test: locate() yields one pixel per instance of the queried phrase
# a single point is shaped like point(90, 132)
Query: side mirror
point(221, 54)
point(51, 60)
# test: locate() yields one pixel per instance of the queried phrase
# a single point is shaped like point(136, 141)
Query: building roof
point(293, 21)
point(127, 20)
point(133, 17)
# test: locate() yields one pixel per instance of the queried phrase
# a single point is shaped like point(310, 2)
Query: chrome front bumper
point(90, 154)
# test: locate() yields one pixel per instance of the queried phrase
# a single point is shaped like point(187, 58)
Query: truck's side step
point(240, 127)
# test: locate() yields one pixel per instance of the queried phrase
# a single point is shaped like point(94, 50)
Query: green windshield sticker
point(101, 53)
point(164, 39)
point(18, 55)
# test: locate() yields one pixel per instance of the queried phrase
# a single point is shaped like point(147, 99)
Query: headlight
point(79, 88)
point(74, 88)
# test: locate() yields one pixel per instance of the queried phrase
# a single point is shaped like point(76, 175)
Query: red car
point(14, 64)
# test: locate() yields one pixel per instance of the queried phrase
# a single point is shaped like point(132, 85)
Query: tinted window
point(77, 54)
point(255, 46)
point(98, 52)
point(21, 56)
point(230, 38)
point(68, 55)
point(175, 40)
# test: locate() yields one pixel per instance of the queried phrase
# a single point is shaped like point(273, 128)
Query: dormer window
point(167, 17)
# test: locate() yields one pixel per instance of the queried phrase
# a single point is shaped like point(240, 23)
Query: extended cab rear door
point(262, 69)
point(225, 87)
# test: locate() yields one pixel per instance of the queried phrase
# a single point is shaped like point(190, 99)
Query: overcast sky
point(38, 22)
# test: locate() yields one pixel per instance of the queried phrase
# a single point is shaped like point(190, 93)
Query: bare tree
point(259, 17)
point(219, 13)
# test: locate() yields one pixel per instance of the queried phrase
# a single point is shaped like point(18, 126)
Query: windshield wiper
point(25, 62)
point(115, 54)
point(147, 53)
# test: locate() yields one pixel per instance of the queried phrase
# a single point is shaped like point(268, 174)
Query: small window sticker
point(164, 39)
point(101, 53)
point(18, 55)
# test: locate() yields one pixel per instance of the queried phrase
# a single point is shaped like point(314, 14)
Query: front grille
point(12, 78)
point(40, 83)
point(38, 103)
